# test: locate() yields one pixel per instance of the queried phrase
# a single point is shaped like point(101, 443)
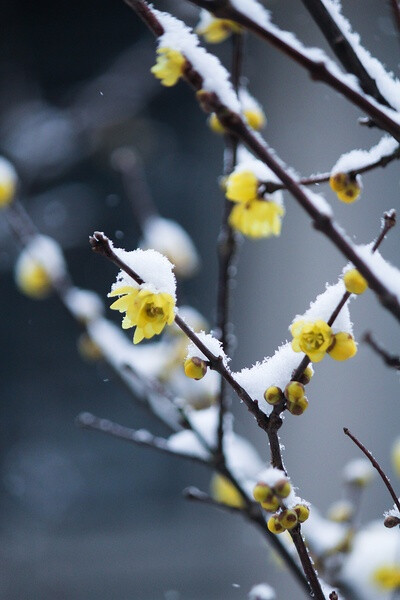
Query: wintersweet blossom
point(242, 186)
point(149, 312)
point(387, 577)
point(347, 188)
point(169, 66)
point(257, 218)
point(312, 338)
point(8, 182)
point(216, 30)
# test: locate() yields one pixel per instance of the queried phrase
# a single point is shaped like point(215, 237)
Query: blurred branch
point(375, 464)
point(396, 12)
point(389, 359)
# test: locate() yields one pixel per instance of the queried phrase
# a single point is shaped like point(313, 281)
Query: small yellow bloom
point(344, 346)
point(312, 338)
point(242, 186)
point(257, 218)
point(147, 311)
point(274, 525)
point(255, 118)
point(387, 577)
point(169, 66)
point(216, 30)
point(224, 491)
point(354, 282)
point(32, 278)
point(88, 349)
point(8, 182)
point(215, 124)
point(347, 188)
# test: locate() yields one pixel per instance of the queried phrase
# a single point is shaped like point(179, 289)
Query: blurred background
point(85, 516)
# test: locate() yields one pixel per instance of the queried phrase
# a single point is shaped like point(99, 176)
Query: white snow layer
point(7, 172)
point(171, 240)
point(358, 469)
point(154, 268)
point(83, 304)
point(262, 591)
point(324, 305)
point(387, 274)
point(215, 77)
point(47, 253)
point(357, 159)
point(211, 343)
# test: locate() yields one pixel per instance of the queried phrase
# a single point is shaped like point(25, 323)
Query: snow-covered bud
point(282, 488)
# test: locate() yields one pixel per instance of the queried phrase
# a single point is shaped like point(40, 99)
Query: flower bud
point(299, 407)
point(261, 492)
point(306, 376)
point(282, 488)
point(271, 503)
point(288, 518)
point(273, 394)
point(294, 391)
point(354, 282)
point(391, 521)
point(195, 367)
point(302, 511)
point(342, 347)
point(274, 524)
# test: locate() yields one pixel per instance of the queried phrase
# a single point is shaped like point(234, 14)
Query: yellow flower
point(347, 188)
point(215, 30)
point(241, 186)
point(387, 577)
point(312, 338)
point(354, 282)
point(343, 347)
point(257, 218)
point(169, 66)
point(147, 311)
point(32, 279)
point(396, 456)
point(255, 118)
point(215, 124)
point(224, 491)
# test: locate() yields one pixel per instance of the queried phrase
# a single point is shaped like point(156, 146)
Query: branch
point(375, 464)
point(102, 245)
point(389, 359)
point(342, 48)
point(396, 12)
point(318, 69)
point(139, 437)
point(305, 560)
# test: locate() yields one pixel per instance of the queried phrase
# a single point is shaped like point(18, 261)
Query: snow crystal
point(357, 159)
point(44, 251)
point(393, 512)
point(270, 476)
point(359, 469)
point(154, 268)
point(262, 591)
point(169, 238)
point(83, 304)
point(211, 343)
point(387, 84)
point(387, 274)
point(324, 305)
point(215, 77)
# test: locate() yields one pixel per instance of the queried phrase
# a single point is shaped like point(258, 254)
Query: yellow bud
point(354, 282)
point(343, 346)
point(271, 503)
point(282, 488)
point(306, 375)
point(224, 491)
point(294, 391)
point(195, 368)
point(302, 511)
point(215, 124)
point(341, 511)
point(347, 188)
point(8, 182)
point(288, 518)
point(396, 456)
point(33, 280)
point(273, 394)
point(169, 66)
point(261, 492)
point(255, 118)
point(274, 525)
point(299, 407)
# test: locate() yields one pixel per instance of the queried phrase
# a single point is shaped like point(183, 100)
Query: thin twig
point(227, 246)
point(306, 563)
point(396, 12)
point(137, 437)
point(318, 70)
point(390, 360)
point(375, 464)
point(342, 48)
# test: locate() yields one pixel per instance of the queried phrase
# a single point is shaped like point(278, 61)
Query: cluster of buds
point(296, 400)
point(346, 186)
point(272, 499)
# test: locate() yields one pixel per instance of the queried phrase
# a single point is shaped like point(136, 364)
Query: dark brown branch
point(342, 48)
point(375, 464)
point(306, 563)
point(390, 360)
point(227, 245)
point(318, 70)
point(133, 436)
point(102, 245)
point(396, 13)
